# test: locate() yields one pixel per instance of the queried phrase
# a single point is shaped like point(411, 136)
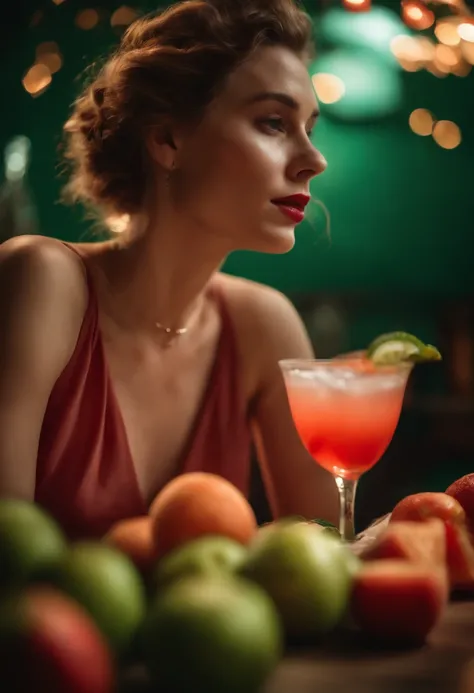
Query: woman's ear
point(162, 147)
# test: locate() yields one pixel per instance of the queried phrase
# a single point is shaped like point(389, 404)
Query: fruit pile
point(205, 600)
point(423, 555)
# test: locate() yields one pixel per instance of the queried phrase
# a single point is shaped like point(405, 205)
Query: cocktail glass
point(346, 411)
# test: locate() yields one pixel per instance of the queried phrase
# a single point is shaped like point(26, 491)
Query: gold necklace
point(171, 331)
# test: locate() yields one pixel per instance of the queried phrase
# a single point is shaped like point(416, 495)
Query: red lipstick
point(293, 206)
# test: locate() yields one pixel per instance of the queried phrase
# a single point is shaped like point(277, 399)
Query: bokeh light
point(417, 15)
point(421, 122)
point(447, 32)
point(372, 88)
point(37, 79)
point(409, 51)
point(467, 50)
point(447, 134)
point(466, 31)
point(357, 5)
point(329, 88)
point(47, 53)
point(87, 19)
point(123, 16)
point(446, 56)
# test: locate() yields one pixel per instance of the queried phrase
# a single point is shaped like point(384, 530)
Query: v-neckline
point(200, 413)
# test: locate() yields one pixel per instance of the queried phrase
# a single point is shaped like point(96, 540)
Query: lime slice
point(396, 347)
point(326, 525)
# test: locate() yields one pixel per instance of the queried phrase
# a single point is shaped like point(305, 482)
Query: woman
point(127, 362)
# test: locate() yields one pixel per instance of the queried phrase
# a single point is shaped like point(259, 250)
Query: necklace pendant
point(170, 332)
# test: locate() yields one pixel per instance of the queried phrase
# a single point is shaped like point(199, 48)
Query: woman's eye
point(275, 124)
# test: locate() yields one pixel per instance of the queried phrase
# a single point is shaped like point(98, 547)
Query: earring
point(169, 172)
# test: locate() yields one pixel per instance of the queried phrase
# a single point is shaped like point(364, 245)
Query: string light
point(462, 70)
point(329, 88)
point(417, 15)
point(446, 56)
point(357, 5)
point(447, 134)
point(47, 53)
point(421, 122)
point(467, 50)
point(37, 79)
point(466, 31)
point(123, 16)
point(87, 19)
point(447, 32)
point(409, 51)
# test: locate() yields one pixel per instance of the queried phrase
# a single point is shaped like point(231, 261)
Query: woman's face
point(251, 148)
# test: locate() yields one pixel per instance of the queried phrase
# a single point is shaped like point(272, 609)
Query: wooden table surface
point(444, 665)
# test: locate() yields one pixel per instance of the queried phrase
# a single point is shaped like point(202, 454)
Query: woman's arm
point(295, 484)
point(42, 301)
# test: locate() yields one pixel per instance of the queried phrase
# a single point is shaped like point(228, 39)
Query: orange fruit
point(134, 537)
point(193, 505)
point(48, 643)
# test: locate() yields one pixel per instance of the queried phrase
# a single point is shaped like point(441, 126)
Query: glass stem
point(347, 491)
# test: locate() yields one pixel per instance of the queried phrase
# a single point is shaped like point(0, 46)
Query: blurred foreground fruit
point(424, 508)
point(196, 504)
point(49, 645)
point(108, 586)
point(307, 572)
point(421, 506)
point(206, 555)
point(212, 635)
point(463, 491)
point(398, 600)
point(30, 542)
point(460, 557)
point(418, 542)
point(134, 538)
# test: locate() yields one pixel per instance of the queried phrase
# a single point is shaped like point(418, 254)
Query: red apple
point(462, 491)
point(422, 506)
point(48, 644)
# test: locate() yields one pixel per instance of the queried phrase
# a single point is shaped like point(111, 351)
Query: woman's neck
point(155, 277)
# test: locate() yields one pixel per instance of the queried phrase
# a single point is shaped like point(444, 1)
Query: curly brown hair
point(167, 68)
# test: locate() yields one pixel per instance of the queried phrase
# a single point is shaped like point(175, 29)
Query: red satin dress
point(85, 473)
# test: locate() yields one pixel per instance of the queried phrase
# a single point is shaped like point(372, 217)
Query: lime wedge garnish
point(396, 347)
point(327, 526)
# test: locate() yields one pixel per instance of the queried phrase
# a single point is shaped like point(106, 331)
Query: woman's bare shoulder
point(267, 323)
point(254, 304)
point(45, 269)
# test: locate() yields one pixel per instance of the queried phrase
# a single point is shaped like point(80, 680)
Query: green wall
point(402, 209)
